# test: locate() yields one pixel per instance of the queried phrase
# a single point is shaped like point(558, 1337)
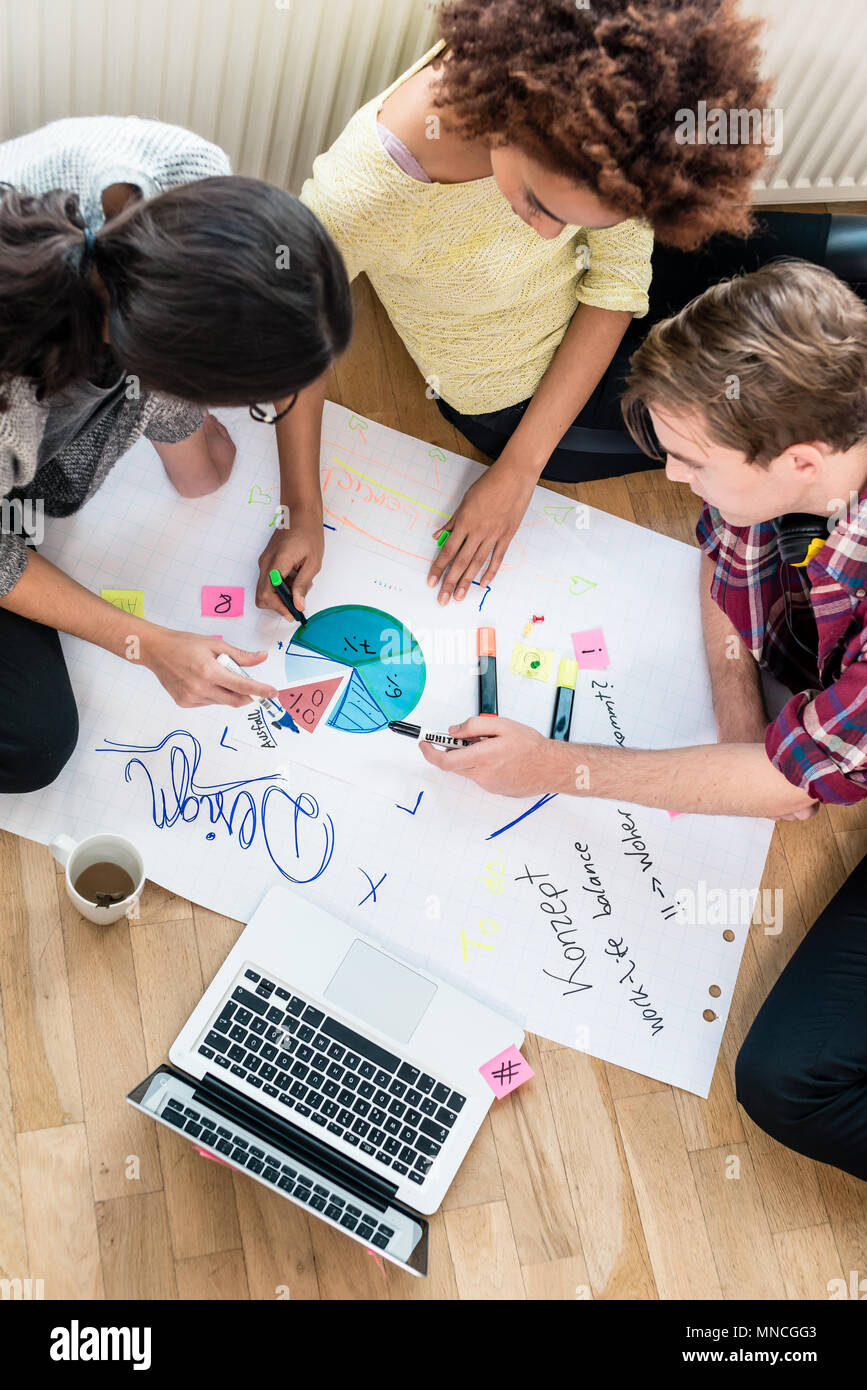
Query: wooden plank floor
point(592, 1182)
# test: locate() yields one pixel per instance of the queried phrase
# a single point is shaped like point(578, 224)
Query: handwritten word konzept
point(553, 904)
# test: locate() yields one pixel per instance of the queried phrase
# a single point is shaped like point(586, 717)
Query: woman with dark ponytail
point(139, 283)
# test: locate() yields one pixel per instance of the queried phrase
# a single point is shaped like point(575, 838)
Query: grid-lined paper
point(359, 823)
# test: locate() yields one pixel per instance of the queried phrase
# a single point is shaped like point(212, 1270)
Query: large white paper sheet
point(562, 912)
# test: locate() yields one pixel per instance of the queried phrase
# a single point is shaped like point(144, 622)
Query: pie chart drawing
point(383, 660)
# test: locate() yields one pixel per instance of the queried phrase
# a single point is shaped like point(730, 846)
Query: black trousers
point(597, 444)
point(38, 715)
point(801, 1073)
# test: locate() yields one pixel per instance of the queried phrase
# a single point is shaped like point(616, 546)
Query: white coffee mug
point(76, 857)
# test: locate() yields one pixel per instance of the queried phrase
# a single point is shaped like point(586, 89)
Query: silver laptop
point(328, 1069)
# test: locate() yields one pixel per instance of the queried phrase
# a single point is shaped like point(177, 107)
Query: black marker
point(487, 646)
point(399, 726)
point(566, 679)
point(285, 593)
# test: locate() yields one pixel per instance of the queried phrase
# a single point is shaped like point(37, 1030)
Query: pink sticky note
point(206, 1153)
point(222, 601)
point(674, 814)
point(506, 1071)
point(590, 649)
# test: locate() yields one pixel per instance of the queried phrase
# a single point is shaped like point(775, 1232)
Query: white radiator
point(274, 81)
point(815, 50)
point(271, 81)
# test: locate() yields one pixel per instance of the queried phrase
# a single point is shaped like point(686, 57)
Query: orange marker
point(487, 670)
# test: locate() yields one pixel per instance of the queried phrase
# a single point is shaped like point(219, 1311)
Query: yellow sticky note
point(532, 662)
point(130, 600)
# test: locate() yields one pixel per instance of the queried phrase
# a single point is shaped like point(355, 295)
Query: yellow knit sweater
point(480, 300)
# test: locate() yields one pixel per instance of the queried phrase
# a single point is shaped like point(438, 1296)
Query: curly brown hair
point(592, 94)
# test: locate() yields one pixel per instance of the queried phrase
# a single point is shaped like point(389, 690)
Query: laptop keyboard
point(313, 1192)
point(337, 1078)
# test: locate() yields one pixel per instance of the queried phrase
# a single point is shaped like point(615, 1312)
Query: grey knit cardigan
point(84, 155)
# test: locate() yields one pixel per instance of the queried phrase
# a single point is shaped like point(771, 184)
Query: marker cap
point(276, 577)
point(487, 641)
point(568, 673)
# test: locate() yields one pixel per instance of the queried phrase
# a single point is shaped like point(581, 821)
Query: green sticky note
point(130, 600)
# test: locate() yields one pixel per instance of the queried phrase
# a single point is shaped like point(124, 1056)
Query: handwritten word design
point(295, 832)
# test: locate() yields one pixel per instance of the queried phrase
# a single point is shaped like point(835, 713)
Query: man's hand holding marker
point(503, 756)
point(500, 754)
point(460, 737)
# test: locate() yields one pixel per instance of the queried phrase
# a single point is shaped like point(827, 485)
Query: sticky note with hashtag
point(505, 1072)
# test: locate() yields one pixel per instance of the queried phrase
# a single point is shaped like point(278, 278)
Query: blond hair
point(767, 360)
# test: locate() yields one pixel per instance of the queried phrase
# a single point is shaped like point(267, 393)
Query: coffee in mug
point(104, 883)
point(104, 875)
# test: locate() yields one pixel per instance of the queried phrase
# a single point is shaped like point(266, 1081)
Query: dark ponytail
point(50, 318)
point(226, 291)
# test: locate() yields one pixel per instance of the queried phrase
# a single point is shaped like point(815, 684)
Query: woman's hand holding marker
point(296, 552)
point(184, 664)
point(487, 518)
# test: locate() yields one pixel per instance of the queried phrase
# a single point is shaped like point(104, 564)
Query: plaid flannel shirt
point(819, 741)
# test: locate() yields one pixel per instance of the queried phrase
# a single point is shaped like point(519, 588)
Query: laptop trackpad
point(389, 995)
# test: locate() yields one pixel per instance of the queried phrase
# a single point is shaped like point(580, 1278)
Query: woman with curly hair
point(502, 197)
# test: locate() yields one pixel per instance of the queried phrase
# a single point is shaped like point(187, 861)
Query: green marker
point(442, 540)
point(284, 593)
